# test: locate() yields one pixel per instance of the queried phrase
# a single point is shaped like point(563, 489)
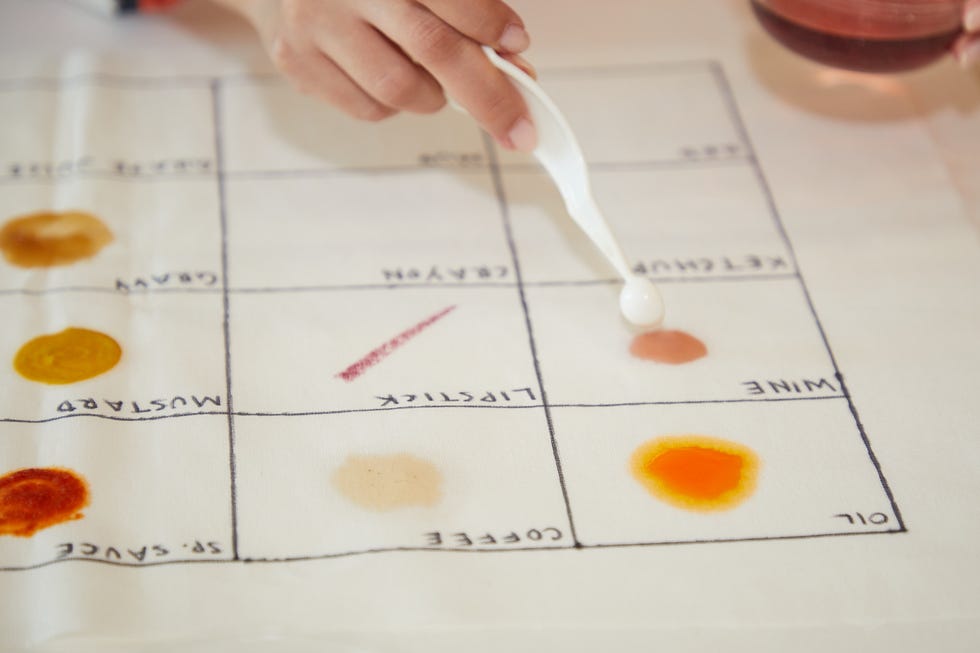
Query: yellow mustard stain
point(68, 356)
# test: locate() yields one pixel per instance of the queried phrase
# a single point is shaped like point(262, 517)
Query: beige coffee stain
point(388, 482)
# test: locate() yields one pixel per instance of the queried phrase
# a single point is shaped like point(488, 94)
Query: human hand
point(967, 48)
point(374, 58)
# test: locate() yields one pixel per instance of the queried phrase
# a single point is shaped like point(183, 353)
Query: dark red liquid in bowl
point(850, 35)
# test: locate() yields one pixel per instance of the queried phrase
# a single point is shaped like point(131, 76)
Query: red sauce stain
point(35, 498)
point(696, 472)
point(666, 346)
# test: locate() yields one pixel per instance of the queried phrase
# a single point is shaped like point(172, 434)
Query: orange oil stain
point(388, 481)
point(36, 498)
point(68, 356)
point(667, 346)
point(696, 472)
point(51, 238)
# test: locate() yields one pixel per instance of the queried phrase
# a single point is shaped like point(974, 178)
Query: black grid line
point(106, 175)
point(404, 285)
point(109, 290)
point(598, 167)
point(425, 406)
point(495, 168)
point(503, 549)
point(498, 187)
point(205, 81)
point(509, 166)
point(732, 106)
point(226, 312)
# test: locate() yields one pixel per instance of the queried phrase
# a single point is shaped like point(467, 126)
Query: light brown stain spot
point(388, 482)
point(51, 238)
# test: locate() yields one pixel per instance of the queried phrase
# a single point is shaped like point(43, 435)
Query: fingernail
point(523, 136)
point(971, 20)
point(969, 54)
point(523, 64)
point(514, 39)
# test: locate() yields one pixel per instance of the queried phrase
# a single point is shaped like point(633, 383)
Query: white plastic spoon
point(558, 151)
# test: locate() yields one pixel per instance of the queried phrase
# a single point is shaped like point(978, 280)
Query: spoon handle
point(559, 153)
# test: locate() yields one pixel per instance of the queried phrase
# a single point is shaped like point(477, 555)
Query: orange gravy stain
point(67, 356)
point(50, 238)
point(36, 498)
point(387, 482)
point(696, 472)
point(666, 346)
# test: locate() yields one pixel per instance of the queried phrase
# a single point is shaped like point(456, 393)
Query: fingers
point(462, 69)
point(521, 63)
point(314, 74)
point(373, 58)
point(489, 22)
point(971, 16)
point(383, 71)
point(967, 50)
point(967, 47)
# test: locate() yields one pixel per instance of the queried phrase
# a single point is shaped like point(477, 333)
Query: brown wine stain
point(696, 472)
point(68, 356)
point(387, 482)
point(51, 238)
point(667, 346)
point(36, 498)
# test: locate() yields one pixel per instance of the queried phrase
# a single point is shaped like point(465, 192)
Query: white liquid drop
point(641, 303)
